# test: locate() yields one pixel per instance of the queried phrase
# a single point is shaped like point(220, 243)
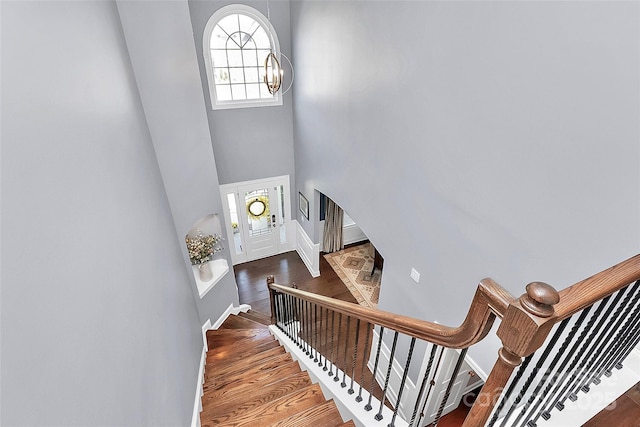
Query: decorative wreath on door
point(258, 207)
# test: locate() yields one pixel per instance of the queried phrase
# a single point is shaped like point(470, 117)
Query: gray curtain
point(332, 241)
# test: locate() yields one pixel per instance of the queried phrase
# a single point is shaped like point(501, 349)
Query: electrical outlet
point(415, 275)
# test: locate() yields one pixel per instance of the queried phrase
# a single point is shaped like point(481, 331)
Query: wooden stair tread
point(256, 316)
point(239, 404)
point(243, 346)
point(258, 380)
point(237, 334)
point(234, 378)
point(251, 380)
point(325, 415)
point(239, 366)
point(348, 424)
point(222, 340)
point(231, 354)
point(272, 411)
point(241, 322)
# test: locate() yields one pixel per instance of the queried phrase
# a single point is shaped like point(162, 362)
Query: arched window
point(237, 40)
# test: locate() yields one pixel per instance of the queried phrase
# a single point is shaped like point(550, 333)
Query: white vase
point(204, 270)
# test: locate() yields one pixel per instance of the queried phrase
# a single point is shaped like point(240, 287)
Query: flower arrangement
point(202, 246)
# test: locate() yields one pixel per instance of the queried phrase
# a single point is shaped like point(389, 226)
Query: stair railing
point(592, 349)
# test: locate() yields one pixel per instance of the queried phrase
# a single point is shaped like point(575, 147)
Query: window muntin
point(237, 41)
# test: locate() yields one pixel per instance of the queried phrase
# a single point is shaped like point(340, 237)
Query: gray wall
point(249, 143)
point(473, 139)
point(99, 326)
point(169, 85)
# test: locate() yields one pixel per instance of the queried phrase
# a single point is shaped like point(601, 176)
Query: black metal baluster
point(404, 379)
point(631, 344)
point(321, 347)
point(311, 347)
point(547, 374)
point(288, 308)
point(631, 339)
point(368, 406)
point(292, 323)
point(298, 315)
point(388, 376)
point(343, 384)
point(326, 341)
point(333, 315)
point(303, 326)
point(621, 337)
point(337, 378)
point(599, 330)
point(447, 393)
point(296, 318)
point(364, 361)
point(283, 324)
point(274, 309)
point(425, 378)
point(552, 399)
point(315, 332)
point(355, 357)
point(609, 344)
point(308, 329)
point(281, 313)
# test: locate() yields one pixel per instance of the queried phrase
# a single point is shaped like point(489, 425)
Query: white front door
point(257, 215)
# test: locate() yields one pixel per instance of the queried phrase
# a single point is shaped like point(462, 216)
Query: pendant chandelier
point(273, 72)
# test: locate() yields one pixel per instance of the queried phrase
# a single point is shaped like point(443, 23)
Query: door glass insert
point(235, 222)
point(258, 212)
point(281, 220)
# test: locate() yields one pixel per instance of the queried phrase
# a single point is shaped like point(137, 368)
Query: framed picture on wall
point(303, 205)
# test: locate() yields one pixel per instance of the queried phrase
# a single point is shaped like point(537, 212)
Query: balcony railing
point(563, 343)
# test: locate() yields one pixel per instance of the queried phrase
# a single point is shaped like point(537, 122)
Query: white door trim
point(289, 224)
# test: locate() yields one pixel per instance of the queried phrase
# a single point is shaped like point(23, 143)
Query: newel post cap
point(540, 299)
point(270, 279)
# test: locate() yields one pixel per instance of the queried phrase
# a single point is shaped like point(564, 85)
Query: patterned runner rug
point(353, 265)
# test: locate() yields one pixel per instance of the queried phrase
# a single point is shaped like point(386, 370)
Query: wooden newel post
point(524, 328)
point(272, 298)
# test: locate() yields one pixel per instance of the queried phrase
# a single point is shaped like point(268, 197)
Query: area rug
point(353, 266)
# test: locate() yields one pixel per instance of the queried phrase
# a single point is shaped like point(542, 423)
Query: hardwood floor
point(625, 412)
point(288, 268)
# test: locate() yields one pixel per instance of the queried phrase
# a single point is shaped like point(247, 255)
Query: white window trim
point(215, 18)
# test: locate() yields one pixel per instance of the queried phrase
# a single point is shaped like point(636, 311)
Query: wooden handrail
point(489, 302)
point(588, 291)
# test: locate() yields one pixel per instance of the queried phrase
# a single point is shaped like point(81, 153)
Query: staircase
point(251, 380)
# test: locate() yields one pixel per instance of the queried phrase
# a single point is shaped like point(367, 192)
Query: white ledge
point(219, 267)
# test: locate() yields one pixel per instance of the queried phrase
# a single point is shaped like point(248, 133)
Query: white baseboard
point(197, 406)
point(242, 308)
point(308, 251)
